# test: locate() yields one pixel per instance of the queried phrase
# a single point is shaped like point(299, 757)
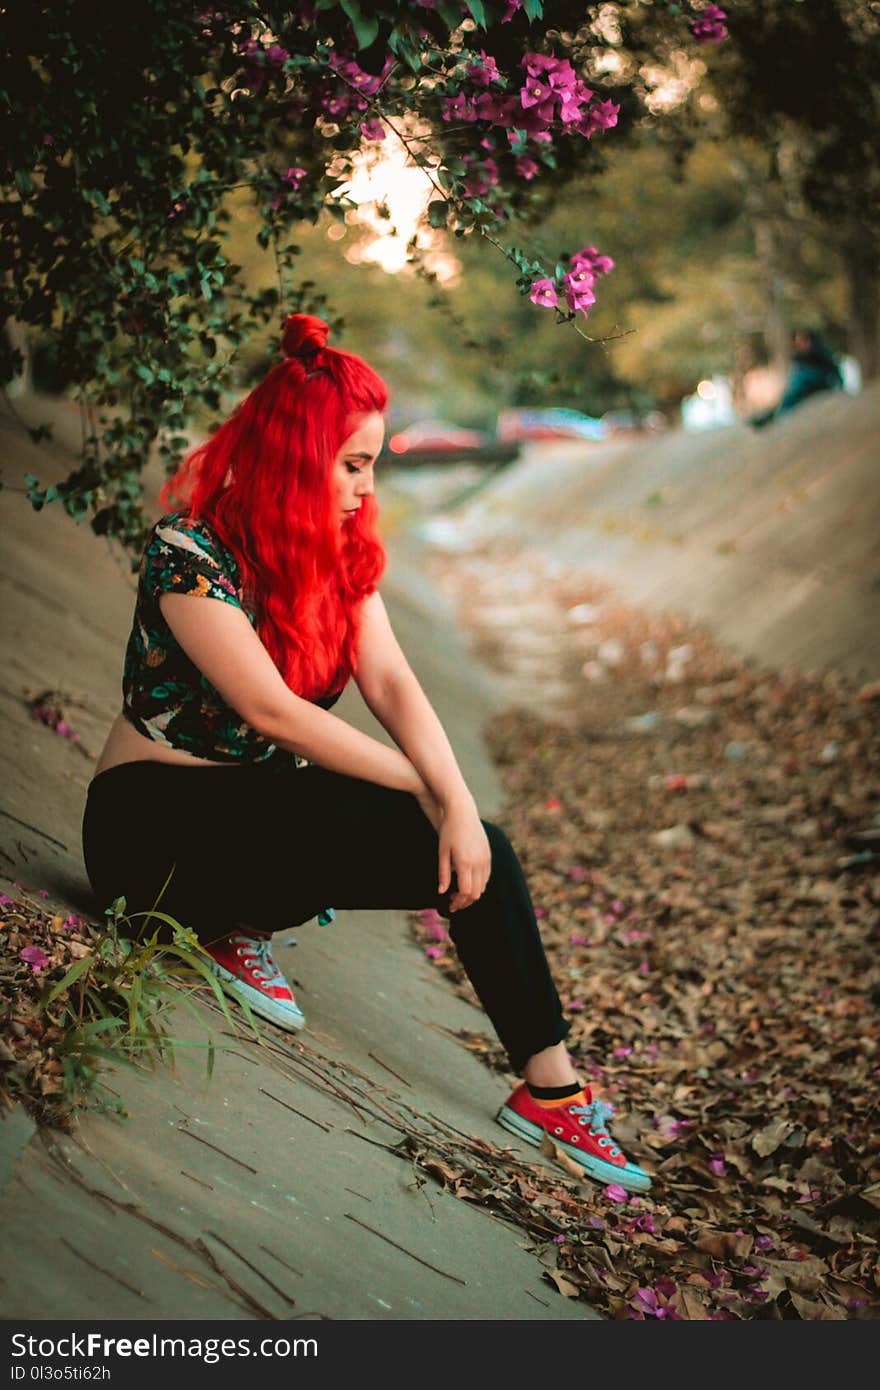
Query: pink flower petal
point(34, 957)
point(617, 1194)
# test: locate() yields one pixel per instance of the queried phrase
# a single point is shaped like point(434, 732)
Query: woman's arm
point(393, 694)
point(220, 641)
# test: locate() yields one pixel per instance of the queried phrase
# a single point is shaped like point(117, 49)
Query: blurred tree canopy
point(171, 171)
point(131, 129)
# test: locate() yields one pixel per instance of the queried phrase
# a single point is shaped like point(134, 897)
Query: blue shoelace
point(596, 1115)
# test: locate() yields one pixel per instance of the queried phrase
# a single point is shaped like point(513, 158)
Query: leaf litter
point(700, 839)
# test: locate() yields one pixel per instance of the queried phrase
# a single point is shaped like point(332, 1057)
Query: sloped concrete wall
point(770, 538)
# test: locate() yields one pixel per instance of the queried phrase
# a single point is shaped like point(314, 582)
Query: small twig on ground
point(261, 1310)
point(117, 1278)
point(237, 1253)
point(401, 1079)
point(301, 1113)
point(281, 1261)
point(193, 1177)
point(240, 1161)
point(35, 828)
point(403, 1249)
point(189, 1274)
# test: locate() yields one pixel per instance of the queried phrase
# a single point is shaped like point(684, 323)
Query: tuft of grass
point(84, 995)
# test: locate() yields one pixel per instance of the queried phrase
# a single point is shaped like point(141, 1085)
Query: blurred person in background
point(813, 369)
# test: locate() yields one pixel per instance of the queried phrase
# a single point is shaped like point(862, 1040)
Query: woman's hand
point(463, 847)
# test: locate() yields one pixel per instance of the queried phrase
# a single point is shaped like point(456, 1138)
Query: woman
point(227, 782)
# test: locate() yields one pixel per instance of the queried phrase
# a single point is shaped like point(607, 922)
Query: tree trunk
point(776, 332)
point(861, 263)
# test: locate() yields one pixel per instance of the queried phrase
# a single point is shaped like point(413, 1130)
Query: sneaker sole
point(593, 1167)
point(282, 1015)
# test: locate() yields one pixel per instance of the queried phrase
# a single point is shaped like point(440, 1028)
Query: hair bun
point(304, 335)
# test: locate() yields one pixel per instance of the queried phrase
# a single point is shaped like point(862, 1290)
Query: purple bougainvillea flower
point(433, 952)
point(576, 1006)
point(6, 901)
point(484, 70)
point(512, 7)
point(527, 167)
point(489, 106)
point(373, 129)
point(356, 77)
point(617, 1194)
point(646, 1301)
point(582, 303)
point(589, 258)
point(717, 1165)
point(623, 1051)
point(559, 1240)
point(34, 957)
point(294, 176)
point(336, 105)
point(603, 114)
point(458, 108)
point(710, 27)
point(577, 938)
point(537, 97)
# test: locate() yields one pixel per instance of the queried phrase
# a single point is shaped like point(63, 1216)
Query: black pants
point(271, 847)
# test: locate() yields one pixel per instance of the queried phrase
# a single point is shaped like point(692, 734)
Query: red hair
point(264, 482)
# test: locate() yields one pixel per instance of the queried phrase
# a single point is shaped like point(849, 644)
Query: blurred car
point(632, 422)
point(622, 421)
point(436, 436)
point(553, 423)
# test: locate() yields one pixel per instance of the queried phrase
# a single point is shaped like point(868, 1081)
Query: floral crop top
point(165, 695)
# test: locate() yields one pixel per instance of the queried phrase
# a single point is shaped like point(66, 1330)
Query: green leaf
point(438, 212)
point(365, 26)
point(533, 8)
point(78, 968)
point(96, 1025)
point(449, 13)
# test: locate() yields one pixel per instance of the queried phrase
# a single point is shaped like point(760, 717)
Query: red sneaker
point(245, 963)
point(578, 1127)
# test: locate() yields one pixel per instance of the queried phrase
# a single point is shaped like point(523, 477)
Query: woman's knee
point(503, 853)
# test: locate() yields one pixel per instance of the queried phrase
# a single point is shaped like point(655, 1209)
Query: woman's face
point(353, 467)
